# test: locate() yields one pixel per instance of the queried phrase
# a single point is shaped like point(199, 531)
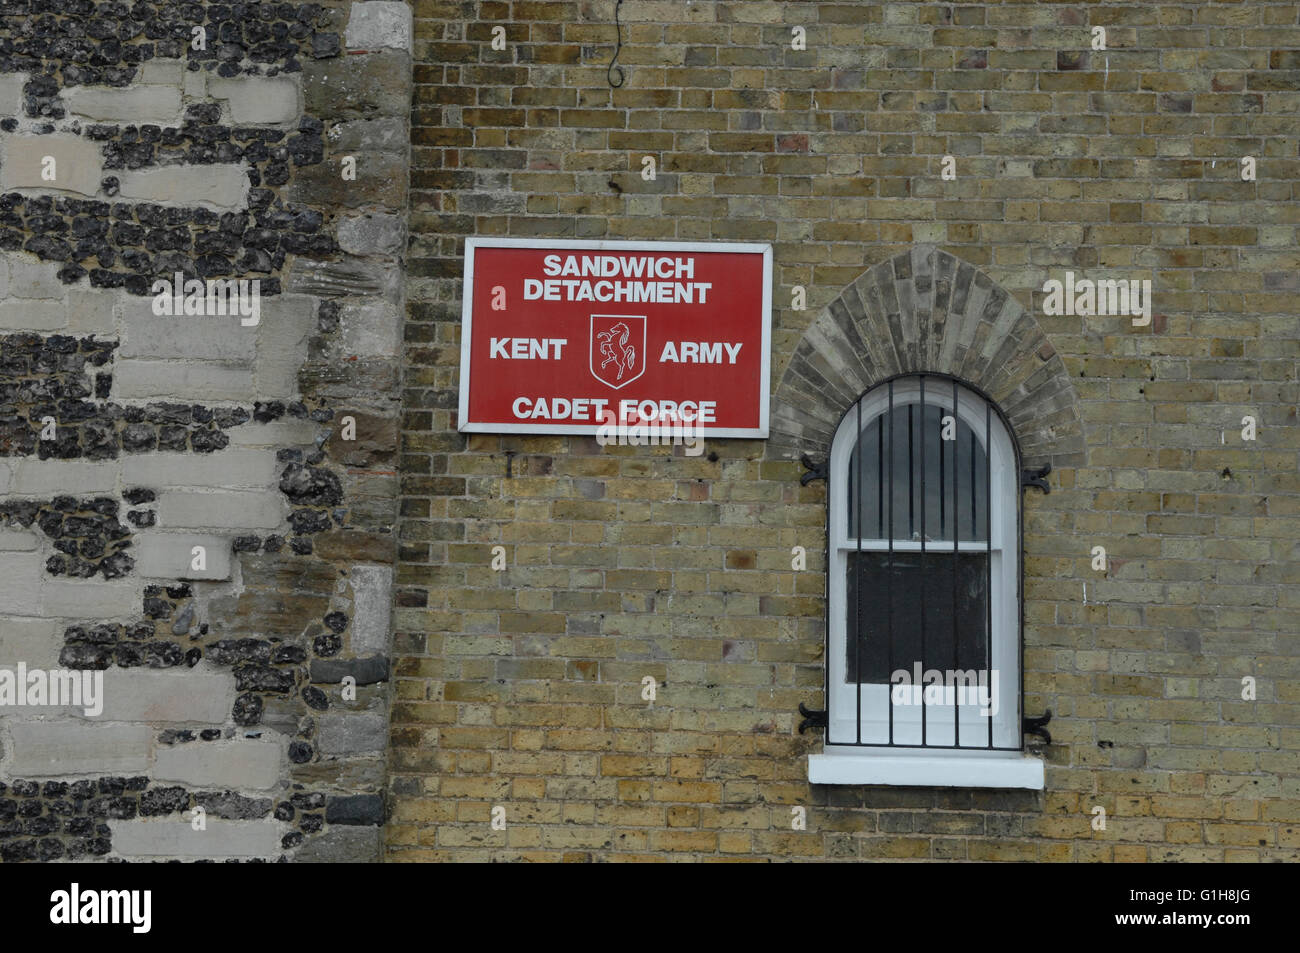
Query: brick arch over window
point(927, 311)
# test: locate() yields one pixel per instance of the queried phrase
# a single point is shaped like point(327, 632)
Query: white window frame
point(973, 764)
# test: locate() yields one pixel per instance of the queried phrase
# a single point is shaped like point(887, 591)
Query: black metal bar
point(911, 478)
point(943, 524)
point(956, 532)
point(923, 573)
point(880, 481)
point(857, 582)
point(974, 510)
point(889, 572)
point(988, 560)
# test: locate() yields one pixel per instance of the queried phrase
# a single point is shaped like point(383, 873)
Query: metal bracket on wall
point(811, 719)
point(1031, 477)
point(510, 459)
point(1038, 726)
point(816, 471)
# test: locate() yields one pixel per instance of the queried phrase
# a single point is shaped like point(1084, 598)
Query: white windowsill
point(925, 770)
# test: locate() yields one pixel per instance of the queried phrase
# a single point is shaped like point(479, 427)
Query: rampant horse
point(625, 359)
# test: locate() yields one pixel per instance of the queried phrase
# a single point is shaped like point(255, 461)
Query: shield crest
point(617, 350)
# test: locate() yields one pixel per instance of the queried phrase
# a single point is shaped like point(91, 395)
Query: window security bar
point(922, 550)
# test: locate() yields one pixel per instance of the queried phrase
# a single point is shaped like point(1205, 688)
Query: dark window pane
point(952, 482)
point(917, 579)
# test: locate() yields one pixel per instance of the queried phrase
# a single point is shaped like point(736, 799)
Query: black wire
point(609, 73)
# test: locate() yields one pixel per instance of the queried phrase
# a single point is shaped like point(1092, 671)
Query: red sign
point(562, 337)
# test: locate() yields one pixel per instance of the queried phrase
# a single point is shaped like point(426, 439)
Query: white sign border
point(704, 430)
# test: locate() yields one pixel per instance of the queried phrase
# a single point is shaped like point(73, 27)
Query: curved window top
point(927, 476)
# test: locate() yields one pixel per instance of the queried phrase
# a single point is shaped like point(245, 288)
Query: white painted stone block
point(286, 432)
point(172, 556)
point(17, 315)
point(159, 105)
point(78, 165)
point(257, 100)
point(223, 187)
point(30, 277)
point(17, 540)
point(20, 583)
point(197, 380)
point(241, 765)
point(198, 337)
point(60, 748)
point(174, 696)
point(287, 325)
point(11, 93)
point(195, 85)
point(83, 599)
point(74, 477)
point(91, 312)
point(175, 837)
point(234, 469)
point(220, 509)
point(34, 641)
point(164, 72)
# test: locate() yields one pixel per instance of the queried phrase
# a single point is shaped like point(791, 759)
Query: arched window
point(923, 650)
